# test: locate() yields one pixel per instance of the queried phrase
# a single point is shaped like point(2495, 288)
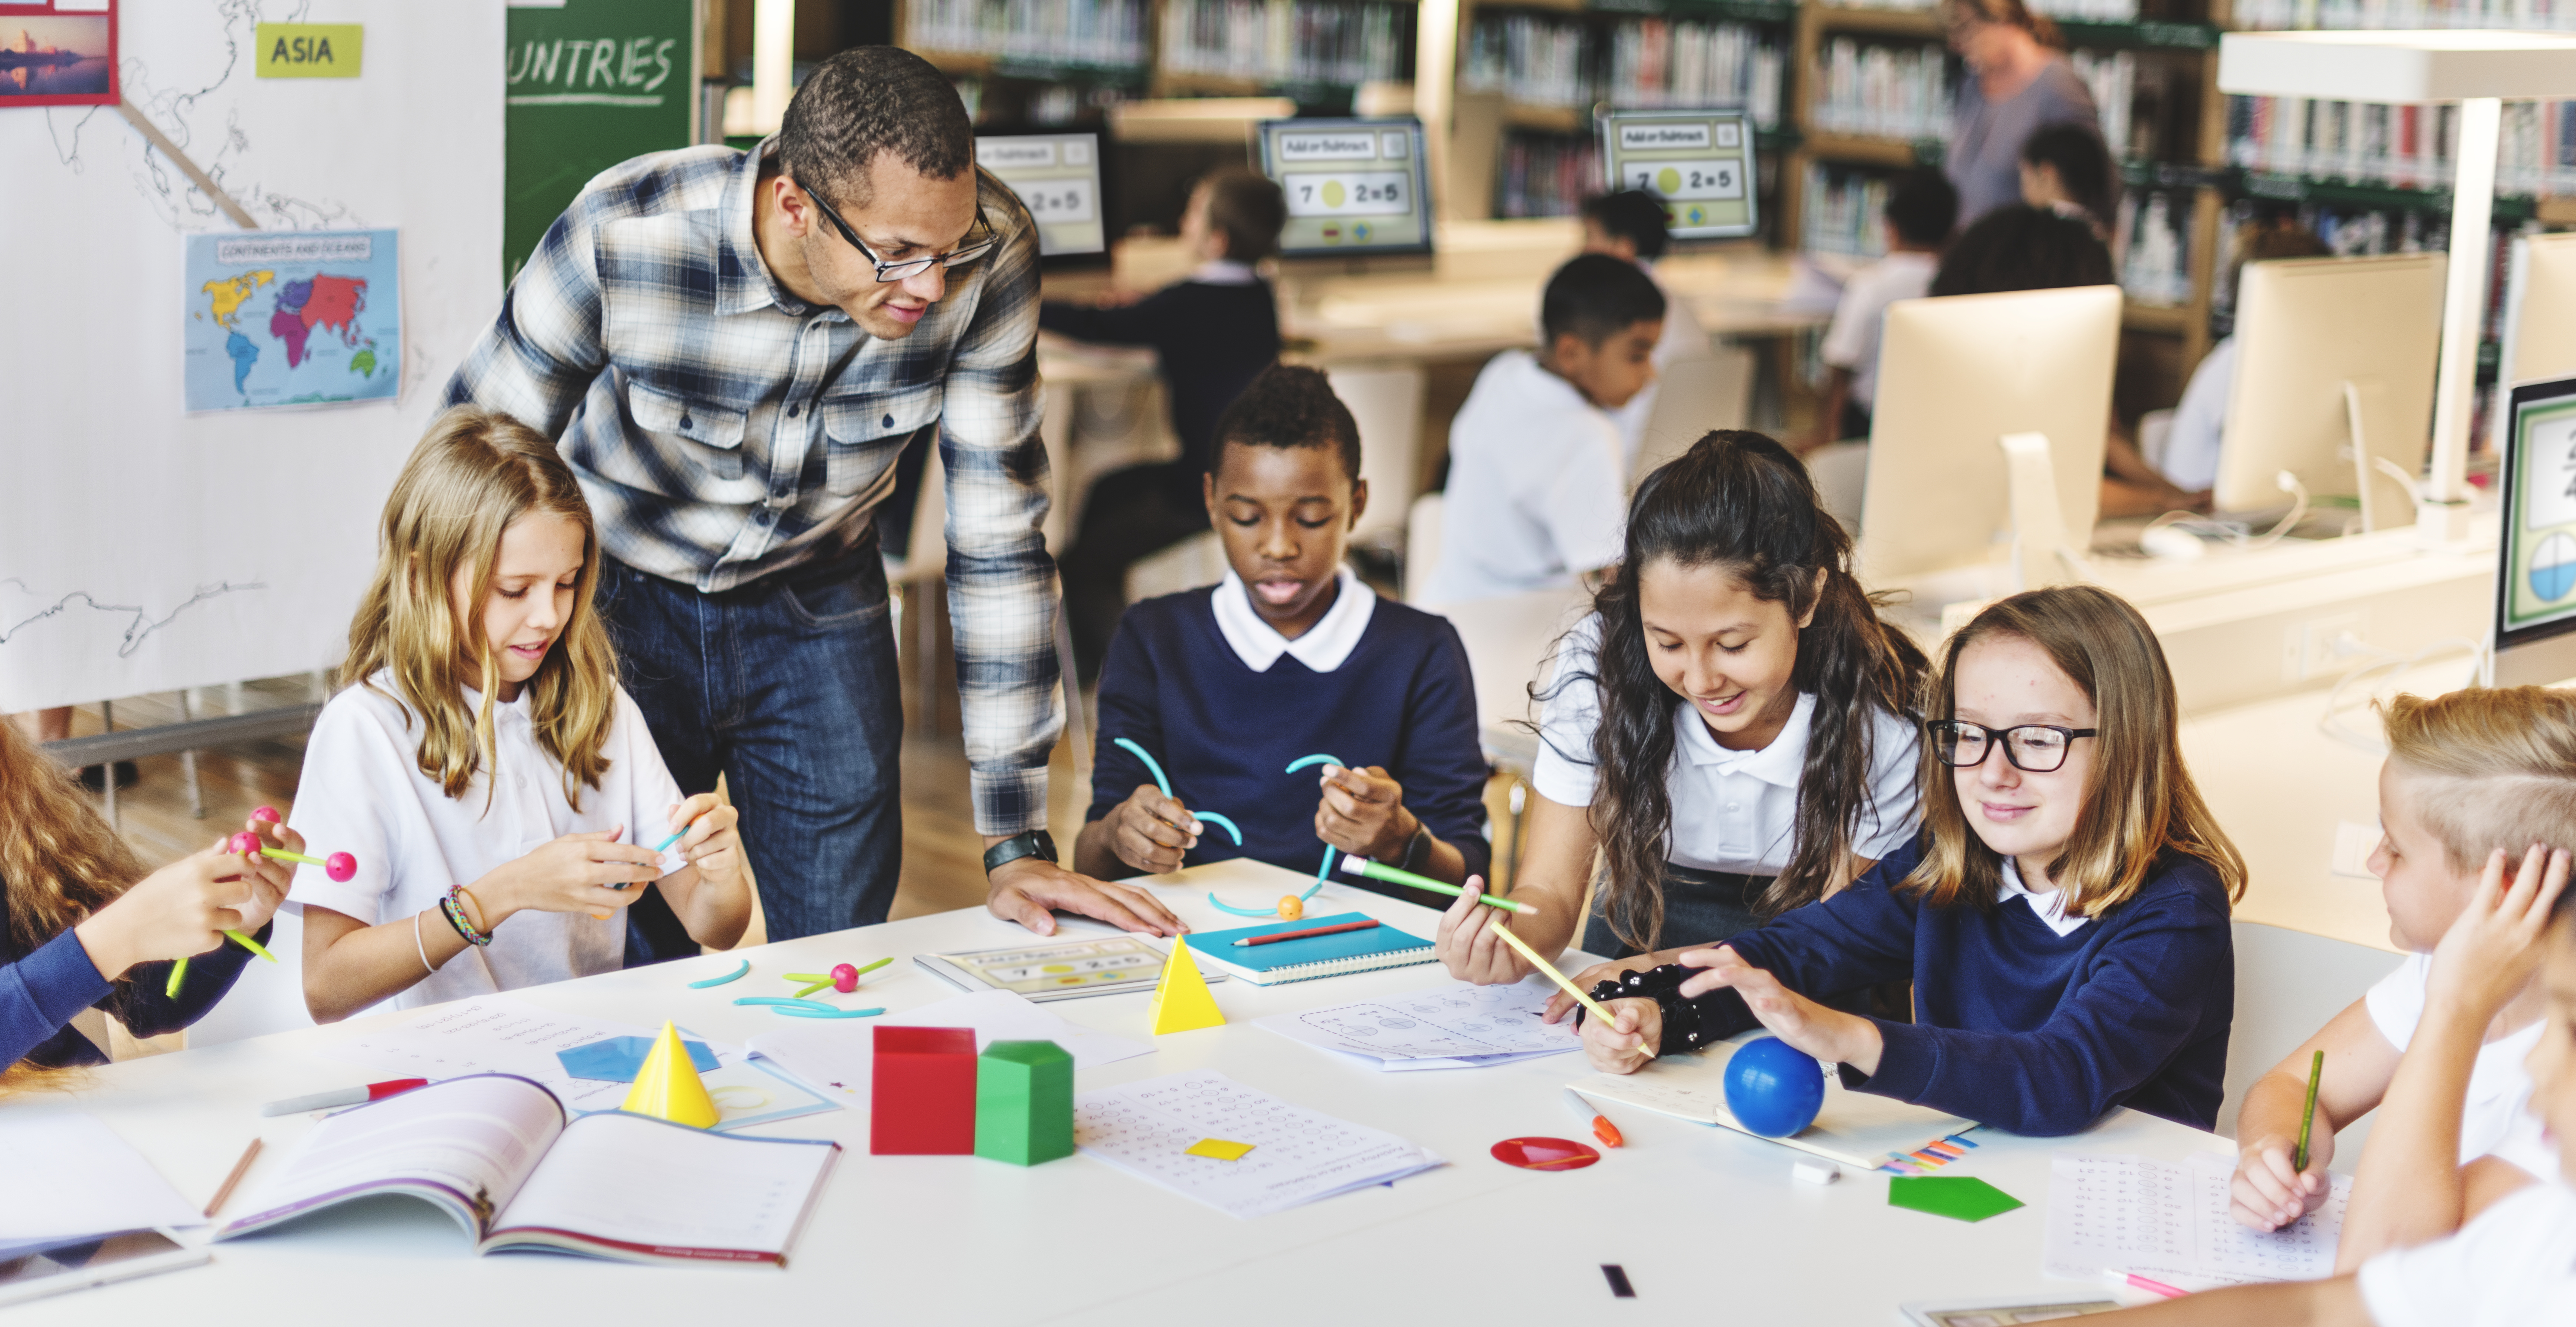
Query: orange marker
point(1602, 1128)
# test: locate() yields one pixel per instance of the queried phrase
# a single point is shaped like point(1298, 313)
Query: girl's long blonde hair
point(2140, 802)
point(59, 861)
point(476, 472)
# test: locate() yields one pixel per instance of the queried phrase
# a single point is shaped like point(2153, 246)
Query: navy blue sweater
point(1225, 734)
point(41, 991)
point(2015, 1025)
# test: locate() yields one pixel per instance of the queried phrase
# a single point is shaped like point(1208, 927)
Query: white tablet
point(33, 1269)
point(2006, 1313)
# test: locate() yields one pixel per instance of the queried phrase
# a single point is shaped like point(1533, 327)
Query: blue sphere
point(1774, 1088)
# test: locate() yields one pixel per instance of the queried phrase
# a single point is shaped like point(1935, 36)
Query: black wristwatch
point(1417, 850)
point(1035, 843)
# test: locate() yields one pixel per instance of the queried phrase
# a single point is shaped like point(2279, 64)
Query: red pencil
point(1300, 935)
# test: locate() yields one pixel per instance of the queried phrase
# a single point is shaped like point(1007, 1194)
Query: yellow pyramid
point(1182, 1002)
point(667, 1087)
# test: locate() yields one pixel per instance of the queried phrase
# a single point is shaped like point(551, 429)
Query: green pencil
point(2316, 1070)
point(1362, 866)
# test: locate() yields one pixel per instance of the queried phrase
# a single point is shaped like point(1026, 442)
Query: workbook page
point(467, 1143)
point(1297, 1155)
point(1451, 1021)
point(650, 1185)
point(2170, 1221)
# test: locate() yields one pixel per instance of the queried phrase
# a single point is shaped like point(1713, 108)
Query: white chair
point(1694, 395)
point(1841, 472)
point(2288, 983)
point(1387, 404)
point(1422, 527)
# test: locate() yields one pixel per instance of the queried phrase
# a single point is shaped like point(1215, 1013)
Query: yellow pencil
point(1559, 978)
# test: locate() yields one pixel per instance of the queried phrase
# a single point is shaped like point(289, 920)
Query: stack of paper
point(1853, 1128)
point(1450, 1026)
point(71, 1176)
point(2169, 1220)
point(500, 1035)
point(839, 1059)
point(1296, 1155)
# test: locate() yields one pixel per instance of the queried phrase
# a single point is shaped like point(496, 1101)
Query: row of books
point(2276, 15)
point(1841, 210)
point(1888, 90)
point(2113, 78)
point(2087, 11)
point(1081, 32)
point(2154, 241)
point(1546, 176)
point(1656, 62)
point(2407, 146)
point(1288, 41)
point(1530, 58)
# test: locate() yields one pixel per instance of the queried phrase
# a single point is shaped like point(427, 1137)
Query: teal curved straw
point(1150, 766)
point(1319, 758)
point(794, 1012)
point(736, 975)
point(1223, 823)
point(1324, 871)
point(783, 1001)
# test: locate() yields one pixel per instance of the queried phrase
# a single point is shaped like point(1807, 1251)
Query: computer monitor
point(1957, 376)
point(1356, 188)
point(1700, 163)
point(2539, 317)
point(2306, 330)
point(1057, 176)
point(2535, 613)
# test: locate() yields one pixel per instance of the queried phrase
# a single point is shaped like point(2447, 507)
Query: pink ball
point(267, 814)
point(244, 842)
point(845, 978)
point(340, 866)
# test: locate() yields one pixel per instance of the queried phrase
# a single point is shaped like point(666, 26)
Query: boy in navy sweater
point(1289, 656)
point(1212, 333)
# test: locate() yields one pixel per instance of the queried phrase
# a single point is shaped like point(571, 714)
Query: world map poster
point(292, 318)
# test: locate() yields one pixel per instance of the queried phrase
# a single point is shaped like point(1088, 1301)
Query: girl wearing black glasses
point(2064, 916)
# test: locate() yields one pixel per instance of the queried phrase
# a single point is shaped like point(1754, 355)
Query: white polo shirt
point(1859, 316)
point(2514, 1266)
point(362, 792)
point(1732, 810)
point(2493, 1122)
point(1537, 486)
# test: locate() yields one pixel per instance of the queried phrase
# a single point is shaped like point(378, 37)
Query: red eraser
point(268, 814)
point(845, 978)
point(244, 842)
point(340, 866)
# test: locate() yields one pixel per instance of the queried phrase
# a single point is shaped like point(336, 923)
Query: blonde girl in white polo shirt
point(1728, 729)
point(495, 784)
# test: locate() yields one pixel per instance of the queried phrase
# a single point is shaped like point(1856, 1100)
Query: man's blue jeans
point(787, 687)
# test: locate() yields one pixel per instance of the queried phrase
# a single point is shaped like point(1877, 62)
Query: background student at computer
point(1922, 208)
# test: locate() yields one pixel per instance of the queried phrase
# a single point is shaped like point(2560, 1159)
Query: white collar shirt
point(362, 792)
point(2494, 1119)
point(2048, 906)
point(1537, 486)
point(1221, 272)
point(1325, 644)
point(1733, 811)
point(2514, 1265)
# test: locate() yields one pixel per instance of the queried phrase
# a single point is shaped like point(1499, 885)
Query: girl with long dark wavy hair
point(1728, 729)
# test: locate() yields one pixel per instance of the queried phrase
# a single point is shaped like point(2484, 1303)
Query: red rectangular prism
point(923, 1098)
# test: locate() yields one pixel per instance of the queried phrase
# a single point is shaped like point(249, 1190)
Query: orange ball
point(1291, 908)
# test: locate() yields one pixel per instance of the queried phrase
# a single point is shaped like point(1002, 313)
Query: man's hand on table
point(1031, 889)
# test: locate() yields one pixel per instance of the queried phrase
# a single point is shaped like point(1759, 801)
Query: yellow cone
point(1181, 1001)
point(667, 1087)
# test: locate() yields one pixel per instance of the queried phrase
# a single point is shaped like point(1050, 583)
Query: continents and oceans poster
point(292, 318)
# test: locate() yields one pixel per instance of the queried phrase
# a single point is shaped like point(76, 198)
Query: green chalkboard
point(592, 83)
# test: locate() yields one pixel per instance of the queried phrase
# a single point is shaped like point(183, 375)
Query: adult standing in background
point(2018, 80)
point(731, 349)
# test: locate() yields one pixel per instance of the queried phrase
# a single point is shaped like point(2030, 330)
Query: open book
point(1852, 1128)
point(495, 1152)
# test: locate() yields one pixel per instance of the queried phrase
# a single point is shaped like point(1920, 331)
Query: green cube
point(1024, 1102)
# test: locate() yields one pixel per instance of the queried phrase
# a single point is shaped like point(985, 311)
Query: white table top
point(1703, 1219)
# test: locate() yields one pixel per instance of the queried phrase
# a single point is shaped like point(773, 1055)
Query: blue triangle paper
point(617, 1059)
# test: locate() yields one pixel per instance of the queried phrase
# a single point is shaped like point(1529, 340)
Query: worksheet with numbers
point(2169, 1220)
point(1298, 1155)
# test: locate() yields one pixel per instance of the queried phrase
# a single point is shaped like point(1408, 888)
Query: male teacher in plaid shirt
point(731, 350)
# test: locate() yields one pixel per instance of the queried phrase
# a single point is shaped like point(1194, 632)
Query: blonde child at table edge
point(493, 780)
point(2468, 774)
point(1729, 727)
point(2063, 916)
point(83, 926)
point(2513, 1265)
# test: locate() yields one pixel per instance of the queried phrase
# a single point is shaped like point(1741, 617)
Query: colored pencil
point(1558, 977)
point(1362, 866)
point(2316, 1071)
point(1361, 925)
point(240, 1168)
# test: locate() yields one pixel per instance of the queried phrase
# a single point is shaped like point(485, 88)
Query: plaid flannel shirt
point(723, 430)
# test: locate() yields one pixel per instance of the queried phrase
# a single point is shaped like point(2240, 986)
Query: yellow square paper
point(1218, 1148)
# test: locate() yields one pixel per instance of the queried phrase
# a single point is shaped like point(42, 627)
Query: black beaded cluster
point(1685, 1026)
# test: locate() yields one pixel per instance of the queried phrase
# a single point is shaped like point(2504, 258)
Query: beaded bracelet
point(1685, 1022)
point(454, 910)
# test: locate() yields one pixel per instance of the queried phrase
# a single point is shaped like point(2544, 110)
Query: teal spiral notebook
point(1379, 946)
